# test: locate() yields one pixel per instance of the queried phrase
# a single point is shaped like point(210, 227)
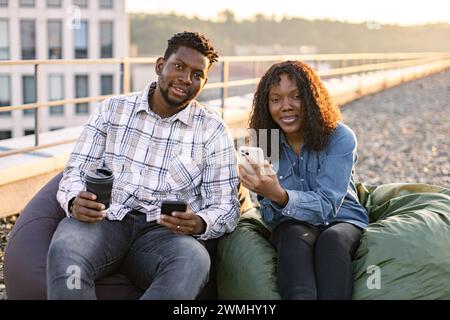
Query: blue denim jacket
point(320, 185)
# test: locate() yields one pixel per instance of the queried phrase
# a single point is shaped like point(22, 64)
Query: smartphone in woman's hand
point(251, 155)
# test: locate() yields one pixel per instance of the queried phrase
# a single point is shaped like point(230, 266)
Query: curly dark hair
point(193, 40)
point(319, 115)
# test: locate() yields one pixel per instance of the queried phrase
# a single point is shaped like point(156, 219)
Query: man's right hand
point(86, 209)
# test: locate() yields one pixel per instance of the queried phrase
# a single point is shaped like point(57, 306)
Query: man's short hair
point(193, 40)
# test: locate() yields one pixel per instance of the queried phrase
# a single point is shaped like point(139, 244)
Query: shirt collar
point(144, 105)
point(186, 115)
point(283, 140)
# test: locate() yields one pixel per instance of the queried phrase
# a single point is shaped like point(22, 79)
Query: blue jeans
point(165, 265)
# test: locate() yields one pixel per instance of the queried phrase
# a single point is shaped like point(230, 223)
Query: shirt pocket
point(286, 178)
point(312, 171)
point(184, 174)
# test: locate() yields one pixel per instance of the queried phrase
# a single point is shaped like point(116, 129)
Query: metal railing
point(344, 64)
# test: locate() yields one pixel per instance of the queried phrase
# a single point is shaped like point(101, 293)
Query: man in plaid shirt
point(160, 144)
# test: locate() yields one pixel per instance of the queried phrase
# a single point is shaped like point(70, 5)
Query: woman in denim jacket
point(311, 200)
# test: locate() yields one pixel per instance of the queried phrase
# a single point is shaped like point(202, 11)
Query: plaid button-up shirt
point(188, 156)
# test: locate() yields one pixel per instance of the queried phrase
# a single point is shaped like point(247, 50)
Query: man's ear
point(159, 65)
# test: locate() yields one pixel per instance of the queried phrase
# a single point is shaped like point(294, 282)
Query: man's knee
point(197, 259)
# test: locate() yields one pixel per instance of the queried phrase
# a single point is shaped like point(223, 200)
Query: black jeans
point(315, 262)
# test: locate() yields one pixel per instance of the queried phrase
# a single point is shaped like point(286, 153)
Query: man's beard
point(172, 103)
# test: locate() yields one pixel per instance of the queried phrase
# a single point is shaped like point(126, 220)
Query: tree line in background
point(149, 34)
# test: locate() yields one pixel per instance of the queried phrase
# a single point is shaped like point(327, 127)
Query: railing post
point(36, 109)
point(224, 78)
point(122, 80)
point(126, 76)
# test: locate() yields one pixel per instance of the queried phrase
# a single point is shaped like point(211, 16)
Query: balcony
point(26, 163)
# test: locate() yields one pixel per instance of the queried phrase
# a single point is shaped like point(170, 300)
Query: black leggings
point(315, 262)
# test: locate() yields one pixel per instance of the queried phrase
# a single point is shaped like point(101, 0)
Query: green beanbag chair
point(247, 261)
point(404, 253)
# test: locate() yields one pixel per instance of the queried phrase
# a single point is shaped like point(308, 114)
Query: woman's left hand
point(263, 180)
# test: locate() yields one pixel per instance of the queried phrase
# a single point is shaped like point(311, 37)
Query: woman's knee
point(339, 237)
point(294, 232)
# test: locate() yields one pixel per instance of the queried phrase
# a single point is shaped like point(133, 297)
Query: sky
point(401, 12)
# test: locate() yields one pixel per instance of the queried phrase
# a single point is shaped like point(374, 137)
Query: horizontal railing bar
point(34, 148)
point(373, 67)
point(233, 83)
point(308, 57)
point(343, 56)
point(142, 60)
point(61, 61)
point(53, 103)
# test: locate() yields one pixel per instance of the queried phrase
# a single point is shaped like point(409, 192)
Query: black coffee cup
point(100, 182)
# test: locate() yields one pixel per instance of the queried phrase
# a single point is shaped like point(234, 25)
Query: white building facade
point(58, 29)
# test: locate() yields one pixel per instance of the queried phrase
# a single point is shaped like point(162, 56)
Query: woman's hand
point(263, 180)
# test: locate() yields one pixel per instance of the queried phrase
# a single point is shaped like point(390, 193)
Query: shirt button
point(302, 180)
point(294, 164)
point(281, 177)
point(301, 158)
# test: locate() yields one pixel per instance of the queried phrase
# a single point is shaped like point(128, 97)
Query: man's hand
point(183, 222)
point(86, 209)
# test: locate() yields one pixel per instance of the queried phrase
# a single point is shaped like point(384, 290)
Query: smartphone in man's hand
point(168, 207)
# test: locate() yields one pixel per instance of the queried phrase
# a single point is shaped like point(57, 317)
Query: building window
point(28, 39)
point(5, 134)
point(26, 3)
point(54, 3)
point(3, 3)
point(28, 93)
point(56, 92)
point(106, 39)
point(28, 132)
point(81, 40)
point(107, 84)
point(80, 3)
point(5, 94)
point(4, 39)
point(54, 30)
point(106, 4)
point(81, 91)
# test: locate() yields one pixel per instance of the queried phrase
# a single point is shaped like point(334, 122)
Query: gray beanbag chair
point(26, 253)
